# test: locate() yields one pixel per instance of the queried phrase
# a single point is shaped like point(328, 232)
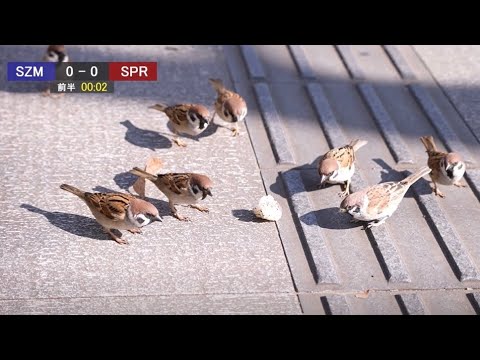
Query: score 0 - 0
point(80, 71)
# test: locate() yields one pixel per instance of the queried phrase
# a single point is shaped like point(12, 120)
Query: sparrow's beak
point(203, 123)
point(206, 192)
point(322, 180)
point(342, 210)
point(157, 218)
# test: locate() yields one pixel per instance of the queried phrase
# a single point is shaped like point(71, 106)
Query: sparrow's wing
point(379, 196)
point(434, 159)
point(178, 113)
point(235, 105)
point(112, 205)
point(344, 155)
point(224, 95)
point(178, 183)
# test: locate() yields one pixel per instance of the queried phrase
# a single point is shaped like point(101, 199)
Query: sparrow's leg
point(235, 130)
point(115, 237)
point(46, 92)
point(135, 231)
point(376, 223)
point(213, 117)
point(346, 192)
point(175, 212)
point(177, 141)
point(436, 190)
point(459, 184)
point(199, 207)
point(180, 143)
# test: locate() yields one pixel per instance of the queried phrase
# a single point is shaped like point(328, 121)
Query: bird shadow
point(329, 218)
point(145, 138)
point(389, 174)
point(78, 225)
point(247, 216)
point(310, 178)
point(125, 180)
point(161, 205)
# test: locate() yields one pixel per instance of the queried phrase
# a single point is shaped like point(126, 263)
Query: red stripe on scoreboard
point(132, 71)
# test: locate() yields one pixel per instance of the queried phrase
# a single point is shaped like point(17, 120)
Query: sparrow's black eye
point(140, 220)
point(461, 166)
point(225, 112)
point(195, 190)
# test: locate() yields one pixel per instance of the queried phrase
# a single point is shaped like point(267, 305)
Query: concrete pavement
point(302, 101)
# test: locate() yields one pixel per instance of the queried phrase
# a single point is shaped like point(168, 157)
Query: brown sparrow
point(377, 203)
point(180, 188)
point(190, 119)
point(56, 54)
point(337, 166)
point(447, 168)
point(117, 211)
point(229, 105)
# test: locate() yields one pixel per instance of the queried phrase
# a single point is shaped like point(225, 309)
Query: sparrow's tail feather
point(139, 172)
point(159, 107)
point(429, 143)
point(73, 190)
point(409, 180)
point(217, 84)
point(357, 144)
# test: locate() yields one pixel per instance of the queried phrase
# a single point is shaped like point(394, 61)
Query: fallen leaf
point(139, 187)
point(153, 165)
point(362, 294)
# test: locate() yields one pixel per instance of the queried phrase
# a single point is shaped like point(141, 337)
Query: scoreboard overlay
point(82, 77)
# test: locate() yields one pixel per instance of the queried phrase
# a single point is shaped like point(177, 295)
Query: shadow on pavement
point(145, 138)
point(393, 175)
point(308, 170)
point(246, 216)
point(330, 218)
point(125, 180)
point(78, 225)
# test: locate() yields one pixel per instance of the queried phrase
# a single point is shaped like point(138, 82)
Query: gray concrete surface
point(302, 101)
point(55, 256)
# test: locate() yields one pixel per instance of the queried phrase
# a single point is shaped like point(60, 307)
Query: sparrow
point(447, 168)
point(337, 166)
point(180, 188)
point(56, 54)
point(377, 203)
point(230, 106)
point(190, 119)
point(117, 211)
